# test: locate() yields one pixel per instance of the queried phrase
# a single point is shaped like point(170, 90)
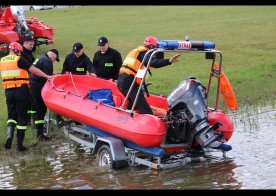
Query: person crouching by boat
point(129, 70)
point(15, 81)
point(44, 63)
point(77, 62)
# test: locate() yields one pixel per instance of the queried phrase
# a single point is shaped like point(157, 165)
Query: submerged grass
point(244, 34)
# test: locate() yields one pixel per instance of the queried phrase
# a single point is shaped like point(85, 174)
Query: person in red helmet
point(129, 70)
point(15, 80)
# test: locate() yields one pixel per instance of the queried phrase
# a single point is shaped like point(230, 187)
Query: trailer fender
point(116, 146)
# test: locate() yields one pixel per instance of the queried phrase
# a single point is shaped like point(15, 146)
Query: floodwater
point(250, 165)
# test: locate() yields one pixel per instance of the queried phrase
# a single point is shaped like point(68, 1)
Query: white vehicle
point(41, 7)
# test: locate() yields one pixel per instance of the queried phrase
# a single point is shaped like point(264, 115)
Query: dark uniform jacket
point(28, 55)
point(78, 65)
point(107, 65)
point(23, 64)
point(45, 64)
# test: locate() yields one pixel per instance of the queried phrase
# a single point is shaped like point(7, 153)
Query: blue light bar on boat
point(185, 45)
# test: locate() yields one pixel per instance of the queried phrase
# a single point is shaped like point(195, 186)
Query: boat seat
point(159, 112)
point(117, 100)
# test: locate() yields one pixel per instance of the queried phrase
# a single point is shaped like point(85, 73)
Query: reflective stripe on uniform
point(10, 73)
point(39, 122)
point(80, 69)
point(11, 121)
point(108, 64)
point(31, 112)
point(35, 61)
point(21, 127)
point(129, 61)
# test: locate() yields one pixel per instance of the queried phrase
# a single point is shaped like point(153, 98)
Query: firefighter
point(107, 61)
point(45, 64)
point(15, 81)
point(129, 70)
point(77, 62)
point(28, 46)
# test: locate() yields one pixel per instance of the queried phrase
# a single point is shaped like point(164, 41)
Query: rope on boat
point(74, 84)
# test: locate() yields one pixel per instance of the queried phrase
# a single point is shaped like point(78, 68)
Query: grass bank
point(245, 35)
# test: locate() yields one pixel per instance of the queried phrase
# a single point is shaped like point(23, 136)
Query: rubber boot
point(20, 137)
point(40, 136)
point(10, 134)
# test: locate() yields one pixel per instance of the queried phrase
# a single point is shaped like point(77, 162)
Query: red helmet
point(15, 45)
point(150, 41)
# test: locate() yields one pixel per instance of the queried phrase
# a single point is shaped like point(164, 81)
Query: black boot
point(40, 135)
point(20, 137)
point(10, 133)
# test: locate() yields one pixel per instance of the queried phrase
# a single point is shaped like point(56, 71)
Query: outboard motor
point(22, 27)
point(188, 118)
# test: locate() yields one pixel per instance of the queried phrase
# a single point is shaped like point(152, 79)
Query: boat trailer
point(118, 153)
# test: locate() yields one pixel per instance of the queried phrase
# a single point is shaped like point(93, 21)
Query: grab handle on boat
point(74, 84)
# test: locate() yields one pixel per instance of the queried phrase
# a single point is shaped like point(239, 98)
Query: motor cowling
point(188, 103)
point(191, 95)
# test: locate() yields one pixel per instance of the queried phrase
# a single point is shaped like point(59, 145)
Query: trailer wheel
point(104, 156)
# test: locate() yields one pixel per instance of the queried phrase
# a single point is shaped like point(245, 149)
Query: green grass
point(244, 34)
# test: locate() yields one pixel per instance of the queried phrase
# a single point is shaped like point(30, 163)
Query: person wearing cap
point(77, 62)
point(107, 61)
point(28, 46)
point(45, 64)
point(15, 81)
point(130, 68)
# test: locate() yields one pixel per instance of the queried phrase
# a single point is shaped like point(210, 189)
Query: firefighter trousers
point(124, 83)
point(39, 104)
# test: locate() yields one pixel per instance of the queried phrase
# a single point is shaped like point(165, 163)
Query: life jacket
point(131, 63)
point(12, 75)
point(226, 89)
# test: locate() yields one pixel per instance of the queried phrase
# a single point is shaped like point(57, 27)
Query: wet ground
point(250, 165)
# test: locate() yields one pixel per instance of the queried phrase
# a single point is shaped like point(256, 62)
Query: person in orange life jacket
point(28, 46)
point(77, 62)
point(107, 61)
point(130, 67)
point(44, 63)
point(15, 81)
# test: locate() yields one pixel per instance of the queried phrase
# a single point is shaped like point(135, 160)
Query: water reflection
point(71, 167)
point(250, 165)
point(255, 143)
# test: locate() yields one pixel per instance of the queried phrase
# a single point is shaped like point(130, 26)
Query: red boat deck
point(66, 95)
